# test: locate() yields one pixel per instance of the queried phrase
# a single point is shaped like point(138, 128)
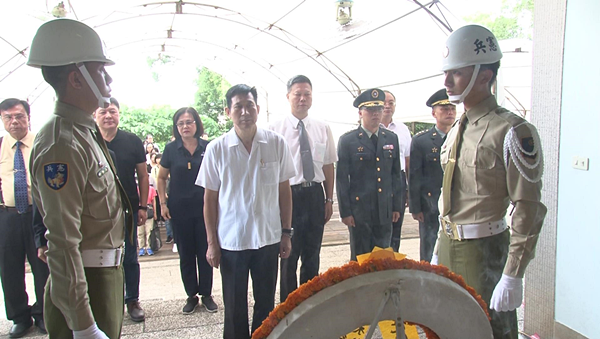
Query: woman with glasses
point(185, 204)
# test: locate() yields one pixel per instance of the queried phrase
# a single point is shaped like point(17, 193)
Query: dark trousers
point(131, 266)
point(16, 244)
point(105, 291)
point(481, 263)
point(397, 226)
point(308, 221)
point(235, 266)
point(365, 236)
point(428, 230)
point(192, 245)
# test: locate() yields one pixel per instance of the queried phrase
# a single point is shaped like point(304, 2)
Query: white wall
point(578, 238)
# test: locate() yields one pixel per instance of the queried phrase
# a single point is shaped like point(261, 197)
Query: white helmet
point(470, 45)
point(63, 42)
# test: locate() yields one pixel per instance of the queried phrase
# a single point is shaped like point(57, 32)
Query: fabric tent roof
point(390, 44)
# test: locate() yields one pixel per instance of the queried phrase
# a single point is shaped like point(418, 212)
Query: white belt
point(472, 231)
point(102, 258)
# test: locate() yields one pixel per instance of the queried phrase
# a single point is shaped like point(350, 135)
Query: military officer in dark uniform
point(425, 179)
point(368, 177)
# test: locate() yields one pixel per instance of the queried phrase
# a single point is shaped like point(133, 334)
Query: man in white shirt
point(247, 210)
point(313, 151)
point(404, 140)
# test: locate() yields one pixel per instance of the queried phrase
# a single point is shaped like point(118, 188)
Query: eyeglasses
point(8, 117)
point(186, 123)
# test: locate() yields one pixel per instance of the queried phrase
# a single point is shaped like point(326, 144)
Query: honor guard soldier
point(425, 179)
point(491, 158)
point(76, 189)
point(368, 177)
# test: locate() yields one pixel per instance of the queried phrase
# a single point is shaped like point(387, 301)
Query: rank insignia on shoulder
point(56, 175)
point(527, 144)
point(386, 147)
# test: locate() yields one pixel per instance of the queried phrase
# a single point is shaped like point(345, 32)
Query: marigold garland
point(352, 269)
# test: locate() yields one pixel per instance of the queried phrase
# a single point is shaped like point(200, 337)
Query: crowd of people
point(81, 198)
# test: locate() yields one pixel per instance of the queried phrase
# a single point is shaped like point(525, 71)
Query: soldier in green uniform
point(425, 179)
point(368, 177)
point(76, 189)
point(491, 158)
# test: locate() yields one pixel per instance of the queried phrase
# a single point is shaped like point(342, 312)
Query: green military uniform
point(498, 161)
point(78, 196)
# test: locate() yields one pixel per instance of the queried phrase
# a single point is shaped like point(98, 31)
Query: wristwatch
point(145, 208)
point(329, 200)
point(288, 232)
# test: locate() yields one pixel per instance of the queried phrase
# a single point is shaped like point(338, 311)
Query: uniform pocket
point(97, 195)
point(481, 164)
point(269, 173)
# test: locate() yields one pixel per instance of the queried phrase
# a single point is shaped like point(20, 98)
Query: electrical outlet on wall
point(581, 163)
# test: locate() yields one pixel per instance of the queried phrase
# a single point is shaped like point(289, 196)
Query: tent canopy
point(390, 44)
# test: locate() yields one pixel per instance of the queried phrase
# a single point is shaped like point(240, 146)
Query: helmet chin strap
point(457, 99)
point(103, 102)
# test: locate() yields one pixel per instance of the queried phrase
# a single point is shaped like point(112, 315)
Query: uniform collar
point(234, 140)
point(481, 109)
point(75, 115)
point(27, 140)
point(294, 121)
point(369, 134)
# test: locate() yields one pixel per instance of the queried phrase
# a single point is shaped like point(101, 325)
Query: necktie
point(307, 160)
point(374, 139)
point(449, 170)
point(129, 218)
point(21, 198)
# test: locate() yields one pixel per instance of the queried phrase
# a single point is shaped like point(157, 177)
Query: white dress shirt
point(248, 186)
point(404, 140)
point(321, 143)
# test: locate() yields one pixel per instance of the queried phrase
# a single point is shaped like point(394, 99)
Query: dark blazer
point(425, 176)
point(368, 177)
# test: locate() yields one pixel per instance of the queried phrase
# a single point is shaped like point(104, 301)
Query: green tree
point(156, 120)
point(210, 100)
point(515, 20)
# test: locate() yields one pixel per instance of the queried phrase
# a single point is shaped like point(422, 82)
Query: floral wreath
point(352, 269)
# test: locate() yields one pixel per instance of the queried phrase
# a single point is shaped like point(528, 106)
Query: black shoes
point(190, 305)
point(41, 325)
point(20, 329)
point(169, 240)
point(209, 304)
point(135, 311)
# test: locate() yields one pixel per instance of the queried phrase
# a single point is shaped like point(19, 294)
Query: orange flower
point(338, 274)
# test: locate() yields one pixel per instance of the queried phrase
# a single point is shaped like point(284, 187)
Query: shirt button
point(360, 158)
point(378, 169)
point(377, 158)
point(434, 159)
point(357, 198)
point(378, 179)
point(379, 190)
point(429, 194)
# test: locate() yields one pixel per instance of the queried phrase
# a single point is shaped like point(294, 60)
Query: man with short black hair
point(313, 151)
point(404, 140)
point(131, 160)
point(16, 230)
point(247, 210)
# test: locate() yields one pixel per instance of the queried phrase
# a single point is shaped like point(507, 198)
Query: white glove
point(92, 332)
point(434, 260)
point(508, 294)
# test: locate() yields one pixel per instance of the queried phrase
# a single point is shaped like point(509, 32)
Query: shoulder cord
point(513, 147)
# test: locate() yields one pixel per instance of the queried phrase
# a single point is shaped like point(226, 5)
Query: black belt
point(306, 184)
point(14, 209)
